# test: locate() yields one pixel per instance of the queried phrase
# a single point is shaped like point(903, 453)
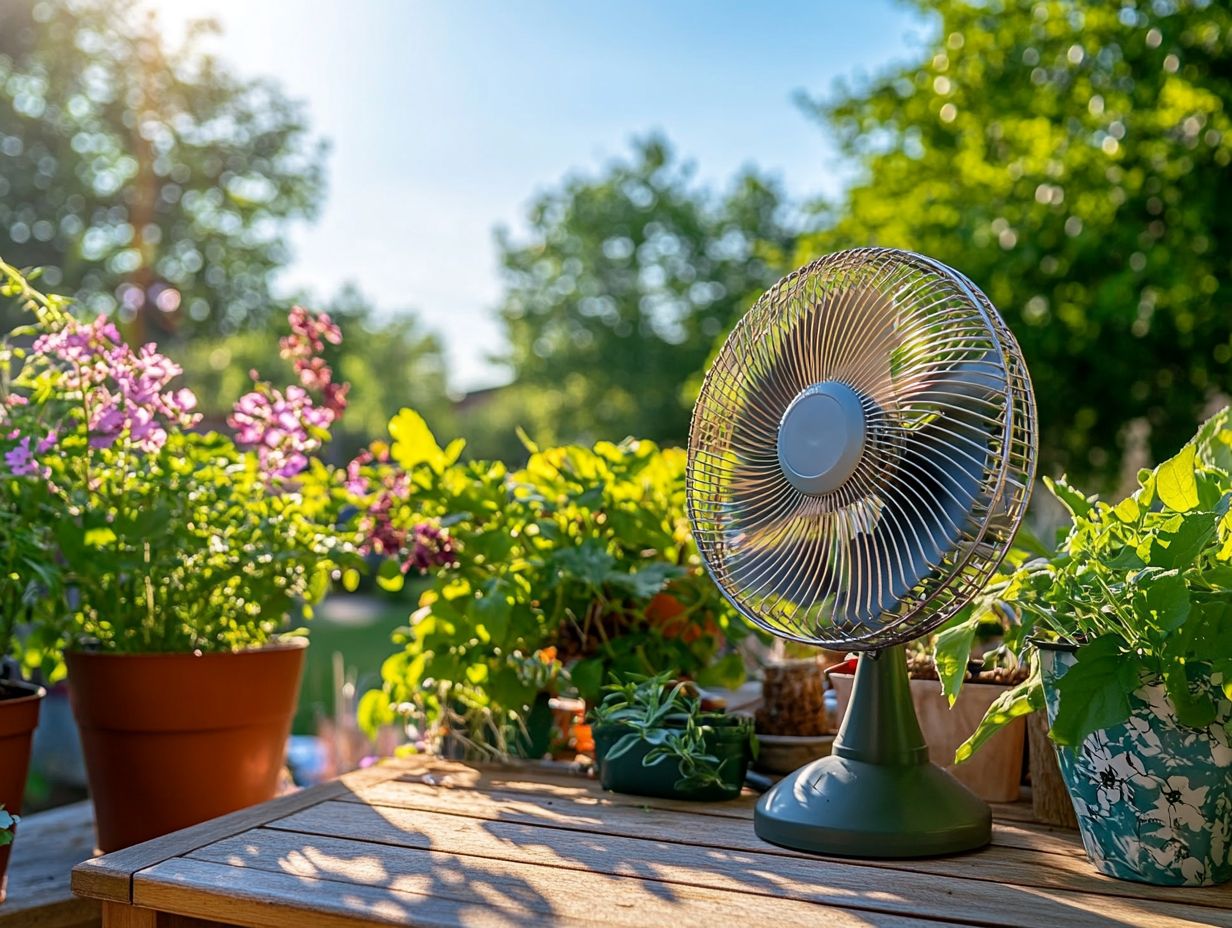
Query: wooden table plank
point(1012, 832)
point(621, 817)
point(109, 877)
point(735, 860)
point(524, 890)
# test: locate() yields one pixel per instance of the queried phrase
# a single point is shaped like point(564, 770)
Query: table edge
point(109, 878)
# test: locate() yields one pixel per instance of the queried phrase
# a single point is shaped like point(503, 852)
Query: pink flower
point(122, 390)
point(281, 427)
point(21, 462)
point(431, 548)
point(285, 427)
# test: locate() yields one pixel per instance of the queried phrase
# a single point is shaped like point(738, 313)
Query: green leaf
point(526, 440)
point(1069, 496)
point(1180, 547)
point(1127, 510)
point(494, 608)
point(350, 579)
point(1175, 481)
point(1024, 698)
point(1194, 707)
point(374, 712)
point(413, 441)
point(647, 581)
point(99, 537)
point(1165, 603)
point(389, 576)
point(453, 451)
point(623, 746)
point(588, 563)
point(587, 677)
point(951, 652)
point(1094, 692)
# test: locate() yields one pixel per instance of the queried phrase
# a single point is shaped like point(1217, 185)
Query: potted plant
point(652, 738)
point(795, 723)
point(183, 556)
point(1132, 658)
point(577, 565)
point(29, 574)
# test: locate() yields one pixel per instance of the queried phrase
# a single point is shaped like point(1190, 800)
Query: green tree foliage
point(389, 359)
point(615, 298)
point(1072, 159)
point(148, 179)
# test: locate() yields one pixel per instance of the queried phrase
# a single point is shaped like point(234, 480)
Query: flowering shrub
point(168, 540)
point(545, 579)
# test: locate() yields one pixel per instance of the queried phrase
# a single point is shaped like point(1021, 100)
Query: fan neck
point(881, 726)
point(821, 437)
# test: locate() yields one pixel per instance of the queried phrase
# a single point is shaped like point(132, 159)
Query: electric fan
point(860, 456)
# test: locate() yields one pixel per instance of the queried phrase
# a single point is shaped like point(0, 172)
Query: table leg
point(121, 915)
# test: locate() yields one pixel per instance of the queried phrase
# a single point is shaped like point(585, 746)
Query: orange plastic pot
point(19, 711)
point(171, 740)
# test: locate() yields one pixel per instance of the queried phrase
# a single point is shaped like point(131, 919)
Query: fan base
point(852, 808)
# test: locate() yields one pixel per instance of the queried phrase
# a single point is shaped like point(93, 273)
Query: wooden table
point(427, 842)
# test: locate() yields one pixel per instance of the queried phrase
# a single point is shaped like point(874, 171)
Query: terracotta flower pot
point(19, 711)
point(171, 740)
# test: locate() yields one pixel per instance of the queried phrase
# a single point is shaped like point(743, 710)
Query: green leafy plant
point(1142, 587)
point(666, 715)
point(546, 578)
point(7, 823)
point(141, 534)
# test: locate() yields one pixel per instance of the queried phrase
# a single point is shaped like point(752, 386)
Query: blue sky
point(445, 118)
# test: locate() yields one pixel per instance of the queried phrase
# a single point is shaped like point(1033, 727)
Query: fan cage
point(924, 521)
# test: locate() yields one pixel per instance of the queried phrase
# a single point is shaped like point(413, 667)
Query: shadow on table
point(424, 851)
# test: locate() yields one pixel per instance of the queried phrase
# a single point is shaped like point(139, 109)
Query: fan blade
point(938, 485)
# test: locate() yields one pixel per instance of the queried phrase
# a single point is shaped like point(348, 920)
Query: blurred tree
point(1072, 159)
point(146, 178)
point(390, 360)
point(616, 297)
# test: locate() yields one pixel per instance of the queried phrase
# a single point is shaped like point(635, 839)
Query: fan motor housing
point(821, 437)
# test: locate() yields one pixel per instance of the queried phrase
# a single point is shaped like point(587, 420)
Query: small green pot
point(729, 740)
point(1153, 797)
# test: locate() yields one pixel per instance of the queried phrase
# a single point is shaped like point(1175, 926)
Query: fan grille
point(942, 482)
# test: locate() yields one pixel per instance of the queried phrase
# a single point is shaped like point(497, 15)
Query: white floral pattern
point(1153, 798)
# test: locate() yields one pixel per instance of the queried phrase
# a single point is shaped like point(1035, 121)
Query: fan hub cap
point(821, 437)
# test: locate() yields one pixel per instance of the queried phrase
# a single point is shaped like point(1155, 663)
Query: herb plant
point(164, 539)
point(1142, 587)
point(667, 716)
point(544, 579)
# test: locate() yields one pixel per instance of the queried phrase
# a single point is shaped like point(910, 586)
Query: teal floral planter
point(1153, 798)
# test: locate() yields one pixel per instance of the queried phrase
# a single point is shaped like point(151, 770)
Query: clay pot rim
point(30, 691)
point(285, 644)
